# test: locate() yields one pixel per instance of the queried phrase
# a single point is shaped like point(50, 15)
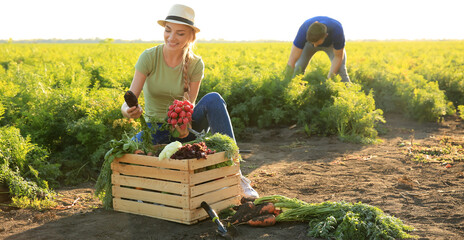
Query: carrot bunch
point(260, 215)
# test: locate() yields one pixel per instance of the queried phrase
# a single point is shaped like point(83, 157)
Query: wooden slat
point(173, 163)
point(200, 213)
point(161, 198)
point(151, 172)
point(152, 184)
point(215, 196)
point(214, 185)
point(151, 210)
point(210, 160)
point(153, 161)
point(213, 174)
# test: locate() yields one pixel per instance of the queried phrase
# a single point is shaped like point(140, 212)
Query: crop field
point(60, 103)
point(65, 98)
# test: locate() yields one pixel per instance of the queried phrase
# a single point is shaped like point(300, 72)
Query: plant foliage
point(340, 220)
point(65, 98)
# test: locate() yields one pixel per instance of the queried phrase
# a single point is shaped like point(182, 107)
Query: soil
point(426, 195)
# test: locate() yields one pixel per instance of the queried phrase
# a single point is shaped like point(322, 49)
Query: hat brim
point(163, 23)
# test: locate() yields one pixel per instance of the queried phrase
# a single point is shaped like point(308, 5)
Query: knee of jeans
point(214, 97)
point(137, 138)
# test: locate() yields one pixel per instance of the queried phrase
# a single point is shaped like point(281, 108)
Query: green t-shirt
point(163, 83)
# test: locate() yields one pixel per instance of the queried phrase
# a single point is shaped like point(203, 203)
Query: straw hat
point(180, 14)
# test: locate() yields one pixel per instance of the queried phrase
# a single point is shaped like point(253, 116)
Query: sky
point(234, 20)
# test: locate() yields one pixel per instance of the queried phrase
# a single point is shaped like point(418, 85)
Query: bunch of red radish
point(180, 113)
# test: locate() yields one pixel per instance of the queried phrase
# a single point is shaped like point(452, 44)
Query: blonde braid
point(185, 75)
point(187, 57)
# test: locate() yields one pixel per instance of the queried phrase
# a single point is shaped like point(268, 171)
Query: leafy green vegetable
point(221, 143)
point(281, 201)
point(103, 187)
point(340, 220)
point(147, 138)
point(169, 150)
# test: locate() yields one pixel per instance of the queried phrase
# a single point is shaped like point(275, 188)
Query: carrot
point(249, 210)
point(265, 208)
point(244, 213)
point(140, 152)
point(277, 212)
point(262, 221)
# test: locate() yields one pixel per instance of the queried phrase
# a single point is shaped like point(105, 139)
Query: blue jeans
point(308, 52)
point(210, 114)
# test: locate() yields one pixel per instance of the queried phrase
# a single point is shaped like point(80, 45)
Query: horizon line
point(198, 40)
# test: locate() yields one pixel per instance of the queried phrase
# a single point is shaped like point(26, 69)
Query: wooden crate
point(173, 189)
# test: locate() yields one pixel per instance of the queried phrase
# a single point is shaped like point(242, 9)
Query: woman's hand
point(136, 87)
point(131, 112)
point(183, 133)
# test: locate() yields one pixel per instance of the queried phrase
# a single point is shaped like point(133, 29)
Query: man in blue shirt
point(319, 34)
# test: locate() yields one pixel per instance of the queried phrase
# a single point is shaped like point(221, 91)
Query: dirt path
point(427, 196)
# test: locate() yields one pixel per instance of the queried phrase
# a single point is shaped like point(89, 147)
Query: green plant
point(340, 220)
point(353, 114)
point(334, 108)
point(23, 166)
point(103, 187)
point(461, 111)
point(35, 203)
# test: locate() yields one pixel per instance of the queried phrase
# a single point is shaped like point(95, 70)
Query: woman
point(171, 71)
